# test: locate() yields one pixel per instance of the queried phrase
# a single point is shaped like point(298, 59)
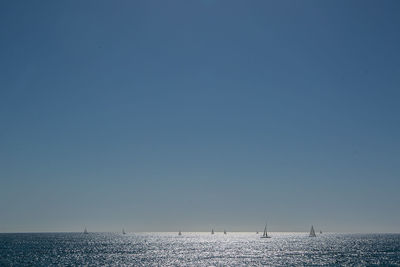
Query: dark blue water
point(198, 249)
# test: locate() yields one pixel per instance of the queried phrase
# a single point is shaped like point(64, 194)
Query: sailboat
point(179, 233)
point(212, 231)
point(265, 234)
point(320, 232)
point(312, 232)
point(224, 232)
point(123, 231)
point(85, 231)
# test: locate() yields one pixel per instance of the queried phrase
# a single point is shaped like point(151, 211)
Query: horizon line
point(133, 232)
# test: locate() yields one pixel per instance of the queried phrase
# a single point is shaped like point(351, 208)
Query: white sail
point(312, 232)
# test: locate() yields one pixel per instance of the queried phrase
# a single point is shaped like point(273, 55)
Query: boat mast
point(265, 230)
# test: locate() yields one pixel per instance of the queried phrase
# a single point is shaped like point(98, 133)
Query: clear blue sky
point(167, 115)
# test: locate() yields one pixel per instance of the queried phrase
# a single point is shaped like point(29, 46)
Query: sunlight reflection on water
point(198, 249)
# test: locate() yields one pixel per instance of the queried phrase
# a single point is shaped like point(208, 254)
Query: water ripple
point(198, 249)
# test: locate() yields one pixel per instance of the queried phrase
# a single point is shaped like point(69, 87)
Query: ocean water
point(198, 249)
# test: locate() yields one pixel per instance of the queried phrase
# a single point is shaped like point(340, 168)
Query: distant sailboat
point(212, 231)
point(85, 231)
point(320, 232)
point(312, 232)
point(265, 234)
point(123, 231)
point(179, 233)
point(224, 232)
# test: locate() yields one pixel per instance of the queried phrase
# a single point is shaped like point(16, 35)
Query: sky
point(192, 115)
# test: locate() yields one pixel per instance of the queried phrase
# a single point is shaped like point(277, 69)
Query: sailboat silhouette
point(265, 234)
point(312, 232)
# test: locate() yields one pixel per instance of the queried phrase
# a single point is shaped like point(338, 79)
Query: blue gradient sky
point(167, 115)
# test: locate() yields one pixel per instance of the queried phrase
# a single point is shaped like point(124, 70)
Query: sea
point(198, 249)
